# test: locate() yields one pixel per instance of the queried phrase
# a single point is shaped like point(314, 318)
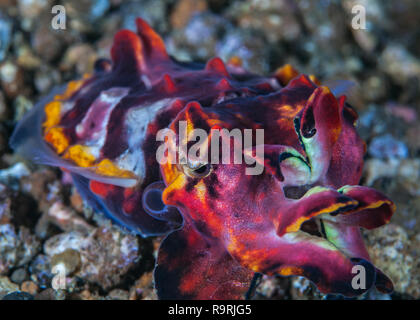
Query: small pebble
point(118, 294)
point(30, 287)
point(387, 147)
point(6, 286)
point(69, 258)
point(19, 275)
point(5, 35)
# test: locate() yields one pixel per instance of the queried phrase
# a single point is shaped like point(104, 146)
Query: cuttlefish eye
point(154, 206)
point(197, 171)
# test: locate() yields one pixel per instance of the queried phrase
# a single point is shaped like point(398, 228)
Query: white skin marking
point(101, 107)
point(136, 121)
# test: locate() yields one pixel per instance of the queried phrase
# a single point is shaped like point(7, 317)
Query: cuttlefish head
point(277, 209)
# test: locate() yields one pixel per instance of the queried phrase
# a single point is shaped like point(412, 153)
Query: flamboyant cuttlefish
point(301, 215)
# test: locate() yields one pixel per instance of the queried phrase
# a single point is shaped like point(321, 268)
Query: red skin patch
point(101, 189)
point(192, 267)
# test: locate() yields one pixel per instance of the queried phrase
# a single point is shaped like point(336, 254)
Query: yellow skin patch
point(315, 80)
point(252, 259)
point(83, 158)
point(288, 112)
point(72, 87)
point(290, 270)
point(169, 172)
point(52, 114)
point(57, 138)
point(80, 155)
point(178, 183)
point(286, 73)
point(107, 168)
point(201, 191)
point(296, 225)
point(55, 135)
point(375, 205)
point(235, 61)
point(53, 108)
